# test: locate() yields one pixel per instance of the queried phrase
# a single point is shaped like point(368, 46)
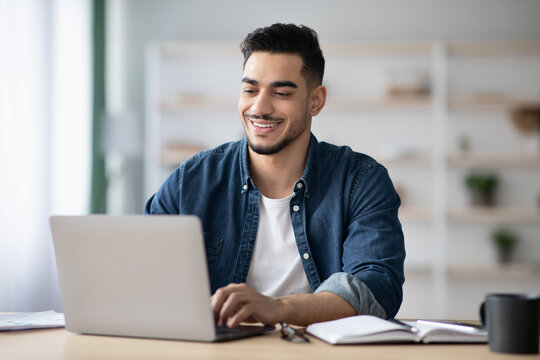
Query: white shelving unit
point(499, 214)
point(191, 101)
point(486, 81)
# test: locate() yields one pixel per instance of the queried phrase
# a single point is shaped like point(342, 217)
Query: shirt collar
point(247, 181)
point(311, 163)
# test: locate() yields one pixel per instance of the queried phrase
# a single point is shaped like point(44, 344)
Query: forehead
point(265, 66)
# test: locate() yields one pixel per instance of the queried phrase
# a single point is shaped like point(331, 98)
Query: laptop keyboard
point(227, 330)
point(227, 333)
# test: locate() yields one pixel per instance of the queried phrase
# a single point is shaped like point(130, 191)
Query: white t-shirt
point(276, 268)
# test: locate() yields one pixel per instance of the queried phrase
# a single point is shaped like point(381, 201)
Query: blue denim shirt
point(344, 214)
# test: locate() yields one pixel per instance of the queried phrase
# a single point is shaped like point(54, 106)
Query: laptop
point(137, 276)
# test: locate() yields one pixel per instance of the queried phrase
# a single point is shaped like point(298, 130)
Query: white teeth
point(264, 125)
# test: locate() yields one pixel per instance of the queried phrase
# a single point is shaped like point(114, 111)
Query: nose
point(262, 104)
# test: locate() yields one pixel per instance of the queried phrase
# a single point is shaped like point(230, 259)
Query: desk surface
point(61, 344)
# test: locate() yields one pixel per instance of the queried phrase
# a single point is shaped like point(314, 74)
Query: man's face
point(273, 102)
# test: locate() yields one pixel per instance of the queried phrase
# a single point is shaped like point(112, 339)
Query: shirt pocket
point(213, 245)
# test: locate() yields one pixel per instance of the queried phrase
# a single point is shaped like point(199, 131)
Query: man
point(295, 230)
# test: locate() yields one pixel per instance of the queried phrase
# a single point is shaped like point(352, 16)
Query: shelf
point(490, 102)
point(495, 215)
point(480, 159)
point(398, 103)
point(196, 103)
point(175, 49)
point(182, 49)
point(405, 160)
point(494, 48)
point(495, 272)
point(193, 49)
point(378, 48)
point(513, 271)
point(418, 271)
point(407, 213)
point(174, 154)
point(388, 103)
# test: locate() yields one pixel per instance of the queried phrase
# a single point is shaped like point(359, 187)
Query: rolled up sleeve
point(355, 292)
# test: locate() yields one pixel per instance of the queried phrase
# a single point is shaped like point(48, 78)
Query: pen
point(402, 323)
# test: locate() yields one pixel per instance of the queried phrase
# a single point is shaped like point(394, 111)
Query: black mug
point(513, 322)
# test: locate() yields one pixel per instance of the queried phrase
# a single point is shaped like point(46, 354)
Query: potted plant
point(505, 242)
point(482, 188)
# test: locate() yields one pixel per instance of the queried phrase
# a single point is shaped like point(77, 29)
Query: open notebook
point(366, 329)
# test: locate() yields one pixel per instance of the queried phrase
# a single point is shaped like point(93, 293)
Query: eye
point(248, 91)
point(282, 93)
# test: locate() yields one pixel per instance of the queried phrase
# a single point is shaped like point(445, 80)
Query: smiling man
point(296, 230)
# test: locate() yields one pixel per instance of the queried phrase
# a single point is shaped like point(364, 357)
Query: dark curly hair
point(289, 39)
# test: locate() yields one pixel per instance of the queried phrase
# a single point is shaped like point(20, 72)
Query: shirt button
point(306, 256)
point(299, 185)
point(244, 187)
point(296, 208)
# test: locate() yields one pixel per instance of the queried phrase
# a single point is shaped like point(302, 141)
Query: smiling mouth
point(266, 123)
point(264, 126)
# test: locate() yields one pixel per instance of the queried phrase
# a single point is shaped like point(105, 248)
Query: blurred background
point(100, 100)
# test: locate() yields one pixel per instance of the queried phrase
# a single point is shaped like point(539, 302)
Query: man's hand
point(236, 303)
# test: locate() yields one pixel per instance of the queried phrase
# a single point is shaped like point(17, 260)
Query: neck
point(276, 174)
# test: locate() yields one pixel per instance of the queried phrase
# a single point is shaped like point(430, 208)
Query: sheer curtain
point(45, 136)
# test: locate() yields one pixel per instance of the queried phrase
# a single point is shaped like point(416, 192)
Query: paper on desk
point(33, 320)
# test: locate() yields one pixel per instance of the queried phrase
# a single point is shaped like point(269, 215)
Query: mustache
point(263, 117)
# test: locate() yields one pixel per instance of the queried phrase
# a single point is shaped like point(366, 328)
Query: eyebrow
point(280, 83)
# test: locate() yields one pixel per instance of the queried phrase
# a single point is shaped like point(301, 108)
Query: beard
point(293, 134)
point(273, 149)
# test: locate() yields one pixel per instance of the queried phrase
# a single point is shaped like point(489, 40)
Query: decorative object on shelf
point(526, 116)
point(407, 83)
point(464, 143)
point(505, 242)
point(482, 187)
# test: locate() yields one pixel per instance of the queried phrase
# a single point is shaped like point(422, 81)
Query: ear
point(318, 99)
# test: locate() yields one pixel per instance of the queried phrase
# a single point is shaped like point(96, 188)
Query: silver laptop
point(140, 276)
